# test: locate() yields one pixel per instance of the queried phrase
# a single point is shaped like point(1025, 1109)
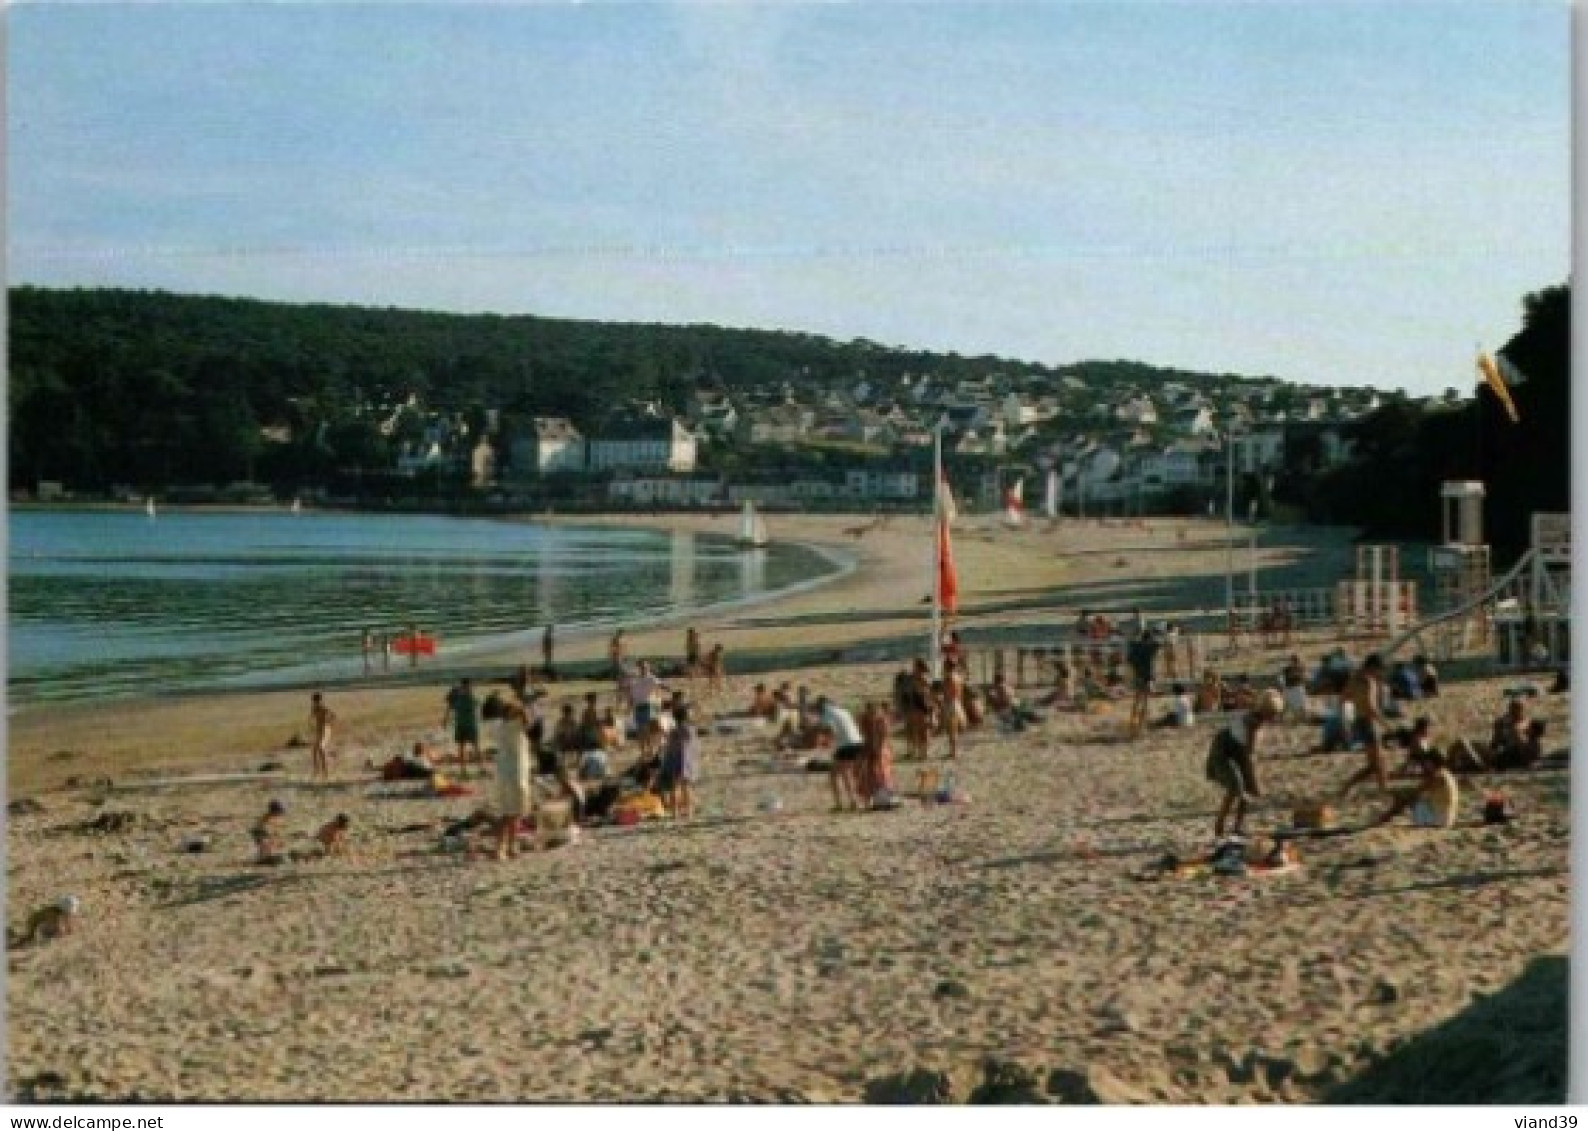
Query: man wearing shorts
point(1143, 651)
point(463, 711)
point(1232, 761)
point(849, 747)
point(1364, 690)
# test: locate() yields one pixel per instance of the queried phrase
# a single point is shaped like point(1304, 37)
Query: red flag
point(947, 575)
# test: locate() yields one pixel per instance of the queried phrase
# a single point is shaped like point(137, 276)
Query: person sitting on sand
point(333, 835)
point(1210, 693)
point(1000, 699)
point(1114, 676)
point(1239, 695)
point(1293, 677)
point(849, 747)
point(1364, 691)
point(972, 701)
point(1427, 676)
point(1435, 799)
point(266, 834)
point(609, 734)
point(566, 738)
point(1232, 760)
point(762, 704)
point(1516, 742)
point(1334, 672)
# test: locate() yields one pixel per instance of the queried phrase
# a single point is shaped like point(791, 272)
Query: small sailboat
point(148, 506)
point(297, 506)
point(752, 529)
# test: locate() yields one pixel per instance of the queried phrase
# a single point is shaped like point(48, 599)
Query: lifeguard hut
point(1533, 625)
point(1460, 566)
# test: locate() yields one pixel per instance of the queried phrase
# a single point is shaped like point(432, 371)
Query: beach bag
point(1313, 815)
point(1497, 810)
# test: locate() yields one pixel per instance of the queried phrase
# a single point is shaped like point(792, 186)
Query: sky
point(1346, 193)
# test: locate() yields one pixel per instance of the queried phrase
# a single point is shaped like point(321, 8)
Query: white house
point(553, 445)
point(865, 484)
point(780, 424)
point(1138, 410)
point(646, 443)
point(1194, 422)
point(1259, 451)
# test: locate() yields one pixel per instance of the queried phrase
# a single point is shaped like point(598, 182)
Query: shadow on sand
point(1509, 1048)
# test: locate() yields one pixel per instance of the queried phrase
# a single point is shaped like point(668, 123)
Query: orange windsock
point(947, 575)
point(1496, 383)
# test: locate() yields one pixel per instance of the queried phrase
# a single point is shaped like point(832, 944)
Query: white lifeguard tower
point(1533, 625)
point(1460, 566)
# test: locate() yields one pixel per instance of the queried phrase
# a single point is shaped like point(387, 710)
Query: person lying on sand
point(1182, 710)
point(1232, 760)
point(1435, 799)
point(266, 834)
point(52, 921)
point(333, 835)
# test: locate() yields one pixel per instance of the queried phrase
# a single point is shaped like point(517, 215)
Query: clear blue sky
point(1348, 193)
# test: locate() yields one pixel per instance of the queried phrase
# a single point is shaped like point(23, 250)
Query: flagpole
point(936, 646)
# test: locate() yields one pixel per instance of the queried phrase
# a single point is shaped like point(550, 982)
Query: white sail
point(1050, 501)
point(148, 506)
point(297, 506)
point(752, 529)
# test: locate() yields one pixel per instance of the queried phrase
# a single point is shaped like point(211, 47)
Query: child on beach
point(681, 765)
point(266, 834)
point(321, 719)
point(1232, 760)
point(333, 835)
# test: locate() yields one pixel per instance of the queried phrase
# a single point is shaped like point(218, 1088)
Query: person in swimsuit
point(321, 718)
point(463, 712)
point(1364, 691)
point(953, 705)
point(849, 748)
point(1232, 761)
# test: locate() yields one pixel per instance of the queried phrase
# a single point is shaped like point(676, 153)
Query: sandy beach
point(1004, 949)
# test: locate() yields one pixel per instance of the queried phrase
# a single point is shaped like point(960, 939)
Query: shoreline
point(785, 951)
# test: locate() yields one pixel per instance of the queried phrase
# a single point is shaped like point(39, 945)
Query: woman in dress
point(514, 797)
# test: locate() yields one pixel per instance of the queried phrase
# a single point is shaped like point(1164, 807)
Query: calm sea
point(106, 604)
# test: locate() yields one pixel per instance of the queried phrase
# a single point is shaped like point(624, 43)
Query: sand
point(999, 949)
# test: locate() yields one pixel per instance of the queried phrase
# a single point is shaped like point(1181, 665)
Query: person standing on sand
point(514, 798)
point(547, 649)
point(849, 748)
point(463, 711)
point(1232, 761)
point(321, 719)
point(692, 654)
point(1364, 690)
point(681, 765)
point(385, 651)
point(1143, 650)
point(615, 655)
point(367, 643)
point(953, 705)
point(413, 645)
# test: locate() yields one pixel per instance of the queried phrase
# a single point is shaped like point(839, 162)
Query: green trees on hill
point(1403, 454)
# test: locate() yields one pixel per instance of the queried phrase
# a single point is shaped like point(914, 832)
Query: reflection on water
point(105, 604)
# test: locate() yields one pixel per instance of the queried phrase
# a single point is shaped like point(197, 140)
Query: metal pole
point(1229, 538)
point(936, 647)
